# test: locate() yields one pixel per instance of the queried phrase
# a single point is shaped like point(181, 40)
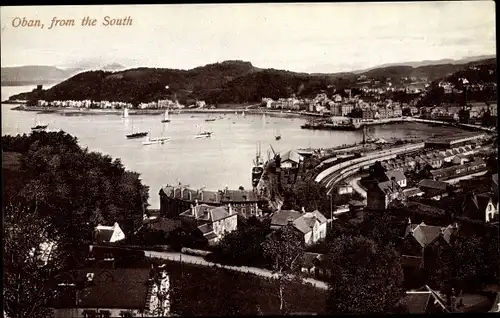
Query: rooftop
point(123, 288)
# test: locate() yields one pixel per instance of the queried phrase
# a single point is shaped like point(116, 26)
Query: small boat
point(278, 136)
point(136, 135)
point(204, 134)
point(166, 118)
point(210, 119)
point(154, 141)
point(39, 127)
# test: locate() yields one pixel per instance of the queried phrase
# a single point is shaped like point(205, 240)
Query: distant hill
point(431, 72)
point(225, 82)
point(429, 63)
point(41, 74)
point(33, 74)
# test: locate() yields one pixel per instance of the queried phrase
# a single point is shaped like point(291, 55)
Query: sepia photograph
point(250, 159)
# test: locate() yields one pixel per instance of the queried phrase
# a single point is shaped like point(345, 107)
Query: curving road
point(177, 257)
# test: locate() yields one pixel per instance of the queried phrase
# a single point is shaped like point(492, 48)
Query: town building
point(290, 160)
point(174, 200)
point(420, 239)
point(381, 194)
point(433, 189)
point(108, 234)
point(313, 225)
point(124, 292)
point(481, 207)
point(213, 222)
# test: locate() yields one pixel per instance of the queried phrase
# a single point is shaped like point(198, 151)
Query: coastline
point(132, 112)
point(239, 111)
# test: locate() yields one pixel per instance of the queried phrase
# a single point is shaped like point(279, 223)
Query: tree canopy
point(58, 192)
point(367, 278)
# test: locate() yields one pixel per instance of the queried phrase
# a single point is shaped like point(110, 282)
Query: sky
point(298, 37)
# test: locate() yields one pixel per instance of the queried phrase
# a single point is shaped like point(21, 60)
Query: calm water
point(223, 160)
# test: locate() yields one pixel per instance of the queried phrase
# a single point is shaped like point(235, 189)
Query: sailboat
point(258, 168)
point(166, 117)
point(125, 112)
point(136, 134)
point(278, 135)
point(39, 127)
point(156, 140)
point(203, 134)
point(210, 119)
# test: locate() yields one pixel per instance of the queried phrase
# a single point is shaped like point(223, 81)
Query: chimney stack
point(230, 208)
point(303, 210)
point(192, 209)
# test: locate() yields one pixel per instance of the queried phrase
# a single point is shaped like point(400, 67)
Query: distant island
point(233, 82)
point(42, 74)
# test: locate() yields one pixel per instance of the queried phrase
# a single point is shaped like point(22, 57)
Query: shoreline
point(154, 112)
point(239, 111)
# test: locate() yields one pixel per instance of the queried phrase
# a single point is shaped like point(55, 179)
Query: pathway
point(356, 187)
point(178, 257)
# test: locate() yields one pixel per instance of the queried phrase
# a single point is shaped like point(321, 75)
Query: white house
point(215, 221)
point(313, 225)
point(398, 176)
point(291, 160)
point(108, 234)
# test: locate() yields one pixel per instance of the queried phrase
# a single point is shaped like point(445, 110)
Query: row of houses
point(84, 104)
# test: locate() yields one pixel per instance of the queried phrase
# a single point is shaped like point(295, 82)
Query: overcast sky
point(298, 37)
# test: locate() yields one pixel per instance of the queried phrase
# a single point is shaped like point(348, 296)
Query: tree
point(367, 278)
point(29, 263)
point(306, 194)
point(285, 250)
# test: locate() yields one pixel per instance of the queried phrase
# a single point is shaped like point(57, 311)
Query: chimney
point(442, 231)
point(230, 208)
point(196, 202)
point(192, 210)
point(303, 210)
point(201, 195)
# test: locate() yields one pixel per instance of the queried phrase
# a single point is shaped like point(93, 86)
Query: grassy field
point(198, 290)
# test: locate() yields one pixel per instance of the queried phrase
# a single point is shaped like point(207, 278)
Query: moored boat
point(203, 134)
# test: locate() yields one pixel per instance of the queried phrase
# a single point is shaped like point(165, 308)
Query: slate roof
point(389, 186)
point(165, 225)
point(291, 155)
point(426, 234)
point(190, 194)
point(124, 288)
point(396, 173)
point(200, 211)
point(432, 184)
point(218, 213)
point(281, 217)
point(239, 196)
point(411, 192)
point(479, 202)
point(305, 223)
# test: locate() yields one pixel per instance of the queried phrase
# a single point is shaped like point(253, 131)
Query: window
point(126, 314)
point(89, 314)
point(105, 313)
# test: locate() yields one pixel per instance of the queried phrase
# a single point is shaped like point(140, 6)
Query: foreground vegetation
point(56, 193)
